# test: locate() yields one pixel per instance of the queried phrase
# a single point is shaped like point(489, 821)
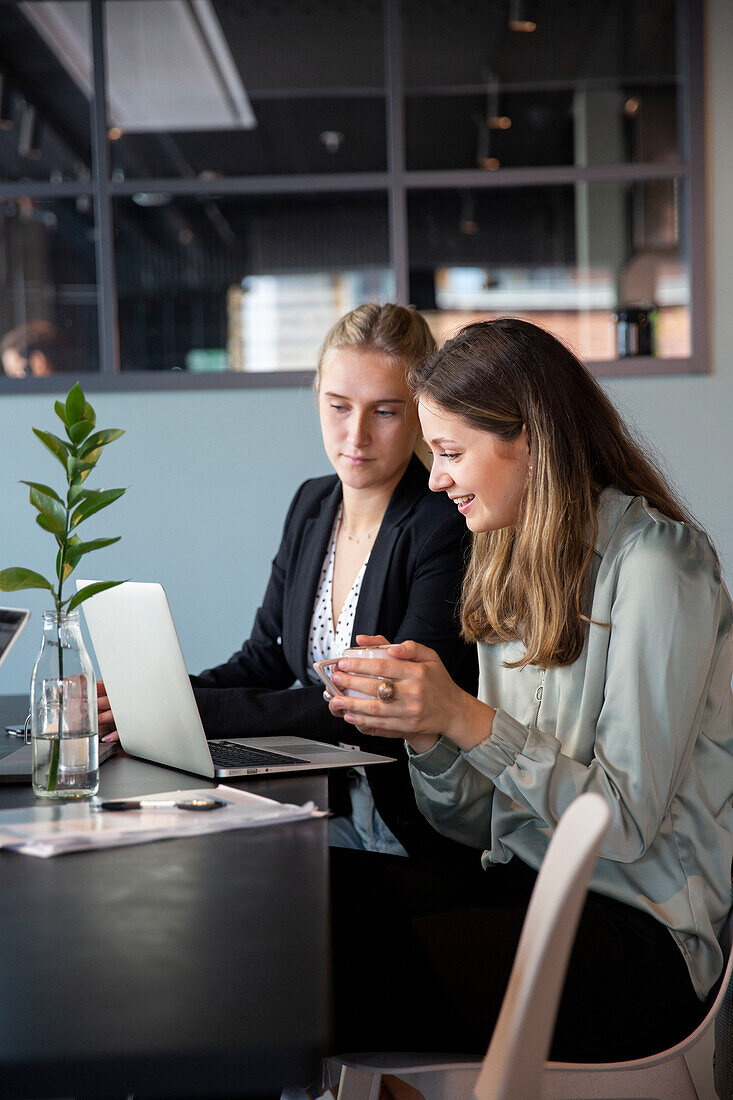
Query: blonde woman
point(605, 646)
point(368, 550)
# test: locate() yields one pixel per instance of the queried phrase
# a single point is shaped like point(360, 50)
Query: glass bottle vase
point(64, 713)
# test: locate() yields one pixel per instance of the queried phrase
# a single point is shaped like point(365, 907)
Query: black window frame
point(395, 183)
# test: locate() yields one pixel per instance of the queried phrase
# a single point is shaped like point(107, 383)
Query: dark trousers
point(422, 956)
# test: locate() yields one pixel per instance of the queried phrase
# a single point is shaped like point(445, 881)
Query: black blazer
point(410, 590)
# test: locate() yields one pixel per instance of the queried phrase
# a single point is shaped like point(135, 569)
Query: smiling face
point(368, 418)
point(484, 475)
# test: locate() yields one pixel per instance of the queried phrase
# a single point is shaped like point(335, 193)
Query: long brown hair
point(528, 582)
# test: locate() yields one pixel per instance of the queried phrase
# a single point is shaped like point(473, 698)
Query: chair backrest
point(514, 1063)
point(723, 1012)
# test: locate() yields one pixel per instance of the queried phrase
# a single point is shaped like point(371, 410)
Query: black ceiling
point(311, 66)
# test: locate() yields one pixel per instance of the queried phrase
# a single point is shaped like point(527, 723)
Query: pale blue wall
point(210, 475)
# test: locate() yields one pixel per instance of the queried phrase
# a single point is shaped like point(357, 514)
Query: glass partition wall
point(192, 191)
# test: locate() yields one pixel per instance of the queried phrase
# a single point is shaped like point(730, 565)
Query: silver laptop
point(155, 711)
point(12, 621)
point(17, 766)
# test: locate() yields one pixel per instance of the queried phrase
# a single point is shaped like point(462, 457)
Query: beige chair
point(514, 1064)
point(724, 1045)
point(662, 1076)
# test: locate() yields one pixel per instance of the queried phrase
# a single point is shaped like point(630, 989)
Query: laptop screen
point(12, 622)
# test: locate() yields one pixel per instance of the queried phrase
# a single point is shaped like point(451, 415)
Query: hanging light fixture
point(467, 222)
point(519, 17)
point(484, 159)
point(332, 140)
point(494, 119)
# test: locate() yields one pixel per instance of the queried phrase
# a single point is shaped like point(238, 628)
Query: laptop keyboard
point(227, 754)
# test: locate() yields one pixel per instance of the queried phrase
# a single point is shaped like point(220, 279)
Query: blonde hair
point(396, 331)
point(529, 581)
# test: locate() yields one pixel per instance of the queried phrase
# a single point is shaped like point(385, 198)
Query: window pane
point(594, 83)
point(245, 88)
point(569, 258)
point(243, 284)
point(48, 296)
point(449, 43)
point(45, 78)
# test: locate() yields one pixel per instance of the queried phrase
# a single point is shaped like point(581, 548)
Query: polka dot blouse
point(363, 827)
point(323, 641)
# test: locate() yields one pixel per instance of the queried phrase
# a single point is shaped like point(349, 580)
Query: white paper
point(46, 830)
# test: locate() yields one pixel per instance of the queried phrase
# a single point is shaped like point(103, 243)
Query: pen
point(195, 804)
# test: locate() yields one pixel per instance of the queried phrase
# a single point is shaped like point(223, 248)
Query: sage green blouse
point(644, 717)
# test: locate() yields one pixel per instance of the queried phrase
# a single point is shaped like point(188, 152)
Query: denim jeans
point(363, 828)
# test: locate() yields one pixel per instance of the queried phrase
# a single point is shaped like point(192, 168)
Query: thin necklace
point(358, 538)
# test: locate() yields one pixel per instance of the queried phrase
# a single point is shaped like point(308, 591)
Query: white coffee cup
point(370, 652)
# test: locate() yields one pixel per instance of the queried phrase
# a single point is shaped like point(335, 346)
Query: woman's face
point(484, 476)
point(368, 418)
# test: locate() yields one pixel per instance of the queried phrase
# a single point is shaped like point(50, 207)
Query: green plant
point(78, 454)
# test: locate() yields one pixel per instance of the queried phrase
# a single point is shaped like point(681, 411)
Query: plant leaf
point(67, 568)
point(75, 405)
point(60, 411)
point(55, 445)
point(79, 431)
point(15, 578)
point(43, 489)
point(48, 525)
point(99, 440)
point(79, 549)
point(95, 500)
point(89, 414)
point(90, 590)
point(51, 508)
point(71, 542)
point(76, 493)
point(78, 467)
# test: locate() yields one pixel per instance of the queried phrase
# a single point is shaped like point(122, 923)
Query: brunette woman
point(605, 645)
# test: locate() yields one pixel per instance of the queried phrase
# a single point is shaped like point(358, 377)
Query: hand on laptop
point(105, 717)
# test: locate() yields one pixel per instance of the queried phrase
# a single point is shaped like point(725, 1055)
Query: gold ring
point(386, 691)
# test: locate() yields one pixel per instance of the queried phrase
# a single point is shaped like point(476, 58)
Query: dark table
point(183, 968)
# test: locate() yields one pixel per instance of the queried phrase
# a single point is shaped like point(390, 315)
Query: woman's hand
point(362, 640)
point(426, 703)
point(105, 717)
